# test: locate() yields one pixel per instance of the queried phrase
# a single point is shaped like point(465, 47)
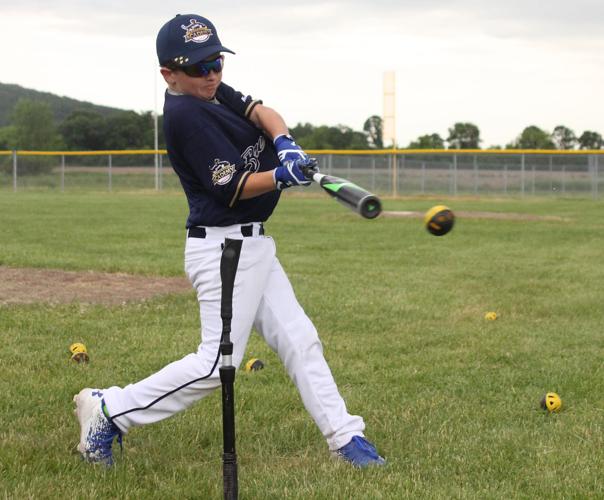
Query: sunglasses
point(203, 68)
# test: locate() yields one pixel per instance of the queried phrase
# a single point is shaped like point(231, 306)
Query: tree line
point(33, 127)
point(467, 136)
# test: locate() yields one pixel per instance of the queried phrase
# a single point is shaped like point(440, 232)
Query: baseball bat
point(350, 195)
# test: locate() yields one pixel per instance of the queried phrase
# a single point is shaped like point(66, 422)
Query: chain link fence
point(388, 173)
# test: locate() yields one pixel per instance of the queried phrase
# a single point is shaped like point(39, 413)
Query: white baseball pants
point(263, 298)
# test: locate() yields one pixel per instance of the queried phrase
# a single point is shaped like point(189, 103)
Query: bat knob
point(310, 167)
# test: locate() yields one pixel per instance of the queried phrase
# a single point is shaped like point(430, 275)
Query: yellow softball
point(78, 352)
point(551, 402)
point(490, 316)
point(439, 220)
point(253, 365)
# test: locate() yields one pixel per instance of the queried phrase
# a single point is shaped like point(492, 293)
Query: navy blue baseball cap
point(187, 39)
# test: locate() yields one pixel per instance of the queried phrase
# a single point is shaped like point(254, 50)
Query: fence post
point(590, 173)
point(161, 172)
point(423, 177)
point(505, 178)
point(401, 175)
point(110, 179)
point(329, 164)
point(373, 173)
point(156, 168)
point(551, 174)
point(597, 180)
point(62, 173)
point(592, 165)
point(475, 174)
point(454, 175)
point(14, 170)
point(564, 178)
point(348, 167)
point(394, 176)
point(522, 158)
point(452, 170)
point(533, 182)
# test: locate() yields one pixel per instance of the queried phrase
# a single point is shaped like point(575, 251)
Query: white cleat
point(97, 432)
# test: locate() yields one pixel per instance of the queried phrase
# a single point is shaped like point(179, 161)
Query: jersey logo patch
point(196, 32)
point(222, 172)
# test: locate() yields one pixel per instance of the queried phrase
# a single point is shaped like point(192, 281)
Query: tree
point(349, 138)
point(34, 129)
point(532, 137)
point(301, 130)
point(8, 137)
point(89, 130)
point(590, 140)
point(326, 137)
point(373, 127)
point(464, 136)
point(128, 130)
point(84, 130)
point(564, 138)
point(428, 141)
point(7, 141)
point(34, 126)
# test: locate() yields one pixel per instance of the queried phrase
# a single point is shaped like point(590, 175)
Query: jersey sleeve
point(235, 100)
point(216, 164)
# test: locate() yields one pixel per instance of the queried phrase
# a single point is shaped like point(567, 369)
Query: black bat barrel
point(370, 207)
point(350, 195)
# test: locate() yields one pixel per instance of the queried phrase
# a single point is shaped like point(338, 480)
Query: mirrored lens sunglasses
point(203, 68)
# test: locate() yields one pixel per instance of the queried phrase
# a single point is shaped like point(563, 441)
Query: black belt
point(246, 231)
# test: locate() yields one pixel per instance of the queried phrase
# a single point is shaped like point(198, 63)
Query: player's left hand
point(310, 167)
point(292, 173)
point(287, 149)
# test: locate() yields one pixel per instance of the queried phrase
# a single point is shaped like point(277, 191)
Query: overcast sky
point(501, 64)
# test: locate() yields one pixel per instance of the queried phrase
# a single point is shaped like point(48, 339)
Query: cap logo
point(196, 32)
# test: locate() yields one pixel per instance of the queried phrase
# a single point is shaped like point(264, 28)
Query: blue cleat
point(97, 432)
point(360, 453)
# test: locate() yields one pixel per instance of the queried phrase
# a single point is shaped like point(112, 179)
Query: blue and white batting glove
point(287, 149)
point(290, 173)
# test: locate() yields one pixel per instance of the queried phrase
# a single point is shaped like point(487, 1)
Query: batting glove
point(292, 173)
point(287, 149)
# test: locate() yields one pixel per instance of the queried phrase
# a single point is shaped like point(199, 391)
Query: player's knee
point(302, 338)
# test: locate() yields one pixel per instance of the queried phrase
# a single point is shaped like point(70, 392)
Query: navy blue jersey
point(214, 147)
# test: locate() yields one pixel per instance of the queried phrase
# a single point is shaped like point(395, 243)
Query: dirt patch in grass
point(31, 285)
point(481, 215)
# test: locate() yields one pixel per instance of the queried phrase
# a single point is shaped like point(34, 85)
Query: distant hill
point(61, 106)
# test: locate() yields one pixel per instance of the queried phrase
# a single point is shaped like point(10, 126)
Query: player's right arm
point(258, 183)
point(269, 120)
point(266, 119)
point(272, 123)
point(288, 174)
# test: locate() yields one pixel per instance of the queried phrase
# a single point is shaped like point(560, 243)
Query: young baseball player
point(233, 156)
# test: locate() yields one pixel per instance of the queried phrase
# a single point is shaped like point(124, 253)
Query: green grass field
point(450, 399)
